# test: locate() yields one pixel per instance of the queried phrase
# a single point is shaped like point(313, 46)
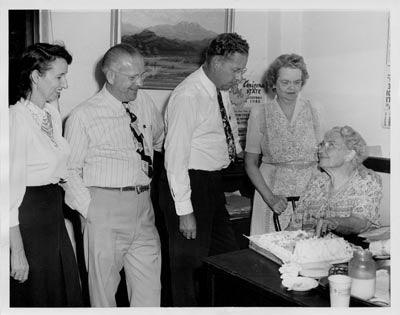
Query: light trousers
point(120, 233)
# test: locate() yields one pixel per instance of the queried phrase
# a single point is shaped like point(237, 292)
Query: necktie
point(227, 128)
point(47, 127)
point(142, 147)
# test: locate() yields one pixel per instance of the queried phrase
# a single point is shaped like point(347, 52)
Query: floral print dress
point(361, 195)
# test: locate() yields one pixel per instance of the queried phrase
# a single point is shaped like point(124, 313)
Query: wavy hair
point(38, 57)
point(292, 61)
point(226, 44)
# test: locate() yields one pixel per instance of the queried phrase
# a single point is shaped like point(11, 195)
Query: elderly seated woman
point(344, 198)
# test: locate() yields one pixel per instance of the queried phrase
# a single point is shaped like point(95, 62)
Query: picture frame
point(172, 41)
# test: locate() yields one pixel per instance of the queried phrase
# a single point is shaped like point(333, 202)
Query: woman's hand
point(19, 265)
point(277, 203)
point(324, 226)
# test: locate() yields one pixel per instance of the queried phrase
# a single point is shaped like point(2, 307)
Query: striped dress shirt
point(103, 152)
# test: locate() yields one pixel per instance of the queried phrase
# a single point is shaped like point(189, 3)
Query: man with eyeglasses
point(113, 136)
point(201, 140)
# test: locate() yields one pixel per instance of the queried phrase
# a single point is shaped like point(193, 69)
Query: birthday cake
point(302, 247)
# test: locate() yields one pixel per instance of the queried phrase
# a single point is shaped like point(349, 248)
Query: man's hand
point(19, 265)
point(187, 225)
point(324, 226)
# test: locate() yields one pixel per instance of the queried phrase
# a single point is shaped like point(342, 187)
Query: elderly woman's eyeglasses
point(328, 145)
point(286, 83)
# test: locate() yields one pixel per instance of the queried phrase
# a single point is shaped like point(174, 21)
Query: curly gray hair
point(353, 141)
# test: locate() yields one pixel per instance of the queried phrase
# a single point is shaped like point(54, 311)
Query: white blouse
point(35, 160)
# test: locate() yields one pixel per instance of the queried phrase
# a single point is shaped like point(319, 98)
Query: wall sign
point(243, 97)
point(386, 123)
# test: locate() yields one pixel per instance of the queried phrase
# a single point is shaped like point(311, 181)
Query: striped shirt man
point(103, 150)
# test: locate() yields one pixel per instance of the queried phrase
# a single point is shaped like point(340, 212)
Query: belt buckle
point(138, 189)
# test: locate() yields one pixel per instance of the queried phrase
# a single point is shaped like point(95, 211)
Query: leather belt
point(139, 188)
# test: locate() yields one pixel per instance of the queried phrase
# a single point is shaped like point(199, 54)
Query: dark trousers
point(214, 233)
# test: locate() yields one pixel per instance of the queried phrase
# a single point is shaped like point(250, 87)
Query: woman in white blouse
point(43, 269)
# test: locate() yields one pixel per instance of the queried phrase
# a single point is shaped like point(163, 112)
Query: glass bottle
point(362, 270)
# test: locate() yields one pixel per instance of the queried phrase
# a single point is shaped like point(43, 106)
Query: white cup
point(339, 290)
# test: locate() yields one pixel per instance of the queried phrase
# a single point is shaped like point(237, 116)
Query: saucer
point(299, 283)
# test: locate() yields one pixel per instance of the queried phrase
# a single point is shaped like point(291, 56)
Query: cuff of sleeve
point(84, 210)
point(183, 207)
point(82, 207)
point(14, 217)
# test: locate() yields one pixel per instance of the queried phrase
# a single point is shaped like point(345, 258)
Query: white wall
point(345, 54)
point(86, 36)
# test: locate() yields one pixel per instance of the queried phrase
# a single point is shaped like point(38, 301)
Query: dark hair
point(286, 61)
point(225, 45)
point(38, 57)
point(115, 52)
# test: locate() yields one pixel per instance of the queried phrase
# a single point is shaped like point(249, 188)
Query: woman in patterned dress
point(285, 132)
point(345, 197)
point(43, 270)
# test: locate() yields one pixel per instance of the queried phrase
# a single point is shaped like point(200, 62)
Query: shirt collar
point(36, 110)
point(207, 83)
point(111, 100)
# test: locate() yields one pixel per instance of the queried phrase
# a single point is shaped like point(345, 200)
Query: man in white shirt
point(112, 137)
point(202, 139)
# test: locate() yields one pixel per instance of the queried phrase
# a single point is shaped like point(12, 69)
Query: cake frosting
point(303, 248)
point(322, 249)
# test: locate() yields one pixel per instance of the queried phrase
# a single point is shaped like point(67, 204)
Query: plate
point(300, 283)
point(315, 273)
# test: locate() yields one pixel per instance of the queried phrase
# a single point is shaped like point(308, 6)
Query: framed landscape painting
point(172, 41)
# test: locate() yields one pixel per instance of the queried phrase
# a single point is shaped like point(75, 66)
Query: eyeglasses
point(286, 83)
point(134, 78)
point(240, 71)
point(328, 145)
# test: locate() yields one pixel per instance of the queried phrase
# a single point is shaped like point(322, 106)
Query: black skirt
point(53, 279)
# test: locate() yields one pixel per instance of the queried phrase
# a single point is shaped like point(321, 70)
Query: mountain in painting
point(184, 31)
point(127, 29)
point(149, 43)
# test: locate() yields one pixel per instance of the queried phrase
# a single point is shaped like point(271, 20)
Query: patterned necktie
point(227, 128)
point(142, 150)
point(47, 127)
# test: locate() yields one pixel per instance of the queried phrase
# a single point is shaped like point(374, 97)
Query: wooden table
point(246, 278)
